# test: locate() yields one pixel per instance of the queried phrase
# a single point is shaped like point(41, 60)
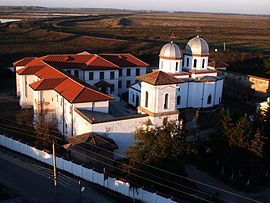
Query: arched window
point(176, 66)
point(209, 99)
point(146, 99)
point(203, 61)
point(133, 98)
point(166, 101)
point(183, 63)
point(187, 62)
point(195, 63)
point(178, 100)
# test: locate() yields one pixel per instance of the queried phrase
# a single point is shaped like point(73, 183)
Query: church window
point(178, 100)
point(187, 62)
point(203, 61)
point(146, 99)
point(176, 67)
point(209, 99)
point(183, 63)
point(195, 63)
point(133, 98)
point(166, 101)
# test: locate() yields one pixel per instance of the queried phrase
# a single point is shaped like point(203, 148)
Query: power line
point(141, 177)
point(121, 164)
point(168, 172)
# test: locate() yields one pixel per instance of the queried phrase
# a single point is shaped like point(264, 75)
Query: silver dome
point(170, 51)
point(197, 45)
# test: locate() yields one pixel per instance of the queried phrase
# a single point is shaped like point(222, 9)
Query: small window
point(166, 101)
point(112, 75)
point(128, 83)
point(209, 99)
point(120, 72)
point(146, 99)
point(101, 75)
point(195, 63)
point(76, 73)
point(187, 62)
point(119, 84)
point(69, 71)
point(91, 76)
point(137, 71)
point(112, 88)
point(203, 61)
point(178, 100)
point(176, 66)
point(183, 63)
point(133, 98)
point(128, 72)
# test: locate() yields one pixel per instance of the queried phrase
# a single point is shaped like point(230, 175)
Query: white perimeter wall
point(87, 174)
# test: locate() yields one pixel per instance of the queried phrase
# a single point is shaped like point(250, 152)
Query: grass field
point(142, 34)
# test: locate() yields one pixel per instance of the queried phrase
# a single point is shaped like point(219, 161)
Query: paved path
point(232, 195)
point(31, 180)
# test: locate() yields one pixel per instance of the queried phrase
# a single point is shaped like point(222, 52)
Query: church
point(81, 92)
point(183, 80)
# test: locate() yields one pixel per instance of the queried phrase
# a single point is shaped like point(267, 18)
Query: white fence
point(84, 173)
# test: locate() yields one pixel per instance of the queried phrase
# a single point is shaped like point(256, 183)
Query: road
point(31, 181)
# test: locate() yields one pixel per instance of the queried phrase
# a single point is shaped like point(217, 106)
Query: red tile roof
point(159, 78)
point(97, 63)
point(124, 60)
point(23, 61)
point(30, 70)
point(46, 84)
point(49, 72)
point(71, 88)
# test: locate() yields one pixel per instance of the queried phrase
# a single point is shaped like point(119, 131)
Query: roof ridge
point(109, 62)
point(80, 92)
point(138, 59)
point(91, 59)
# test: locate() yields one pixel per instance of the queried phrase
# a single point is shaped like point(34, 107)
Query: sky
point(217, 6)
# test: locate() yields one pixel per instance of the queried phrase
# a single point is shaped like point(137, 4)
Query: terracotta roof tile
point(30, 70)
point(49, 72)
point(92, 139)
point(159, 78)
point(23, 61)
point(124, 60)
point(46, 84)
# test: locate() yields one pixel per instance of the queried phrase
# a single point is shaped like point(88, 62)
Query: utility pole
point(54, 173)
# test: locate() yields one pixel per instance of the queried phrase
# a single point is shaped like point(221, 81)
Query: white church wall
point(209, 90)
point(134, 97)
point(195, 94)
point(121, 131)
point(219, 90)
point(182, 91)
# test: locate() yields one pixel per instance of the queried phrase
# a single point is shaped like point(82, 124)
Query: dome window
point(176, 67)
point(203, 61)
point(195, 63)
point(187, 62)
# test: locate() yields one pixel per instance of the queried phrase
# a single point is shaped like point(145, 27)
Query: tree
point(165, 147)
point(238, 143)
